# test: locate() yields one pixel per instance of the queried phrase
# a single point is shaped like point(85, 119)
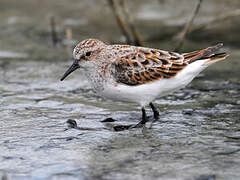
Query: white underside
point(146, 93)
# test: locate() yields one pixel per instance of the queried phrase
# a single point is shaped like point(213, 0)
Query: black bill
point(73, 67)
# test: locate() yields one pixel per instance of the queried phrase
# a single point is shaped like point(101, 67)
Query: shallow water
point(196, 138)
point(198, 135)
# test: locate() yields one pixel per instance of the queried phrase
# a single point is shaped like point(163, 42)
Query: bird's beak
point(73, 67)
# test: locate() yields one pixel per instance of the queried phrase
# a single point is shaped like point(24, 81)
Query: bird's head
point(84, 55)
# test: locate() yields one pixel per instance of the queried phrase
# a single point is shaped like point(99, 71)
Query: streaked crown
point(87, 48)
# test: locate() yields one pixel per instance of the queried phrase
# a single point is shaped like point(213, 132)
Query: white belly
point(146, 93)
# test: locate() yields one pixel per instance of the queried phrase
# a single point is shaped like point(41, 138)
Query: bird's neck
point(98, 76)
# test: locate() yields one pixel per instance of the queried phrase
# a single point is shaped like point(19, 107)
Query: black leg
point(139, 125)
point(143, 121)
point(144, 116)
point(155, 111)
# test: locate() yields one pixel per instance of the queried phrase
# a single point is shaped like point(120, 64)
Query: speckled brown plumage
point(144, 65)
point(138, 74)
point(133, 65)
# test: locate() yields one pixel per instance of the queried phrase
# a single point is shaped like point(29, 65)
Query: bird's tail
point(206, 54)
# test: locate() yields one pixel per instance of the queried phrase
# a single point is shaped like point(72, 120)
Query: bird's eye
point(88, 53)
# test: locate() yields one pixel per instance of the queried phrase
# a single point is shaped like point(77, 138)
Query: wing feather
point(145, 65)
point(139, 65)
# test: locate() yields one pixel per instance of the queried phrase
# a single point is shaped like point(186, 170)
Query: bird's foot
point(72, 124)
point(127, 127)
point(122, 127)
point(156, 115)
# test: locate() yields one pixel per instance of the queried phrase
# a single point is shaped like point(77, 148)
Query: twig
point(120, 21)
point(68, 33)
point(53, 31)
point(136, 35)
point(219, 19)
point(4, 177)
point(187, 27)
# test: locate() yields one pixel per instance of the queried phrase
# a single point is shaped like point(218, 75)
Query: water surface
point(196, 138)
point(198, 133)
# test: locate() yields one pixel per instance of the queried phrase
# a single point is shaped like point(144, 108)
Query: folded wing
point(145, 65)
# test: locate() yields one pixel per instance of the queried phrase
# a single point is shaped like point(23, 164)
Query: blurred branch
point(4, 177)
point(53, 30)
point(187, 27)
point(120, 20)
point(126, 23)
point(136, 35)
point(221, 18)
point(161, 1)
point(68, 34)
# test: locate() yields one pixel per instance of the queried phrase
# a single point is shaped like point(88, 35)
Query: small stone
point(71, 123)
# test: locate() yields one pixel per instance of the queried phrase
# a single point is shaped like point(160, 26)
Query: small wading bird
point(138, 74)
